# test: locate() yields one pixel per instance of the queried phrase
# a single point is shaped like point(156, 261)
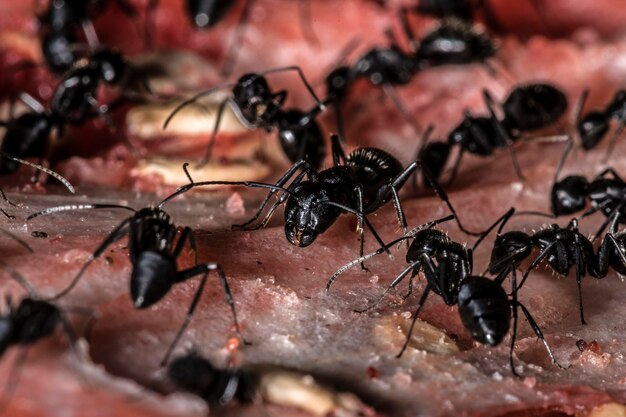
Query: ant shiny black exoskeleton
point(194, 374)
point(257, 106)
point(60, 47)
point(32, 320)
point(73, 103)
point(153, 252)
point(528, 107)
point(593, 126)
point(561, 248)
point(484, 307)
point(359, 183)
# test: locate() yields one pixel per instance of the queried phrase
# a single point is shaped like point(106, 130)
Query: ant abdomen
point(569, 195)
point(374, 165)
point(485, 309)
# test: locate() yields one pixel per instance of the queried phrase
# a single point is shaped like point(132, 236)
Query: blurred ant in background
point(257, 106)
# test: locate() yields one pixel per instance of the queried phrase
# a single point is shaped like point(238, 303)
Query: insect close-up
point(350, 208)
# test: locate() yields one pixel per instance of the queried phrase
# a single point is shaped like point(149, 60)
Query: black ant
point(194, 374)
point(153, 251)
point(528, 107)
point(560, 247)
point(60, 47)
point(359, 183)
point(73, 103)
point(257, 106)
point(32, 320)
point(484, 306)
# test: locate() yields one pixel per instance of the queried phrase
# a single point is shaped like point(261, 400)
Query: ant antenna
point(17, 239)
point(20, 279)
point(231, 55)
point(193, 99)
point(253, 184)
point(502, 221)
point(73, 207)
point(409, 235)
point(50, 172)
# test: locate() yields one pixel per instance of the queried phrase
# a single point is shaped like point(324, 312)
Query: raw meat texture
point(278, 288)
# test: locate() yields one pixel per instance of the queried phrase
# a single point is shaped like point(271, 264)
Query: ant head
point(253, 96)
point(151, 278)
point(509, 249)
point(301, 138)
point(425, 241)
point(35, 319)
point(111, 65)
point(434, 157)
point(534, 106)
point(569, 195)
point(338, 82)
point(484, 309)
point(307, 215)
point(592, 128)
point(192, 373)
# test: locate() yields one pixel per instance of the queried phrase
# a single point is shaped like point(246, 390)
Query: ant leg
point(455, 167)
point(391, 286)
point(6, 200)
point(609, 171)
point(618, 132)
point(341, 127)
point(119, 232)
point(302, 77)
point(406, 28)
point(306, 22)
point(537, 330)
point(306, 168)
point(359, 202)
point(514, 306)
point(420, 304)
point(193, 272)
point(72, 339)
point(542, 255)
point(338, 153)
point(502, 221)
point(13, 380)
point(90, 33)
point(578, 265)
point(216, 128)
point(443, 197)
point(393, 96)
point(235, 42)
point(103, 112)
point(32, 103)
point(569, 145)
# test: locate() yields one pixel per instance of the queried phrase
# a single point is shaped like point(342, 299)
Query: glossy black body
point(533, 106)
point(151, 237)
point(485, 309)
point(30, 322)
point(370, 169)
point(606, 193)
point(594, 125)
point(453, 266)
point(195, 374)
point(528, 107)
